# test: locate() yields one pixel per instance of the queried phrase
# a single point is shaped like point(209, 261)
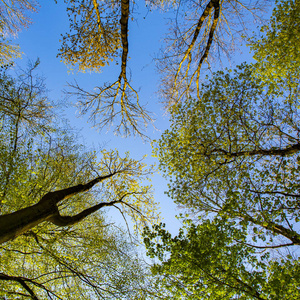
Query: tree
point(234, 162)
point(98, 32)
point(278, 45)
point(237, 143)
point(233, 158)
point(13, 18)
point(200, 33)
point(96, 38)
point(52, 192)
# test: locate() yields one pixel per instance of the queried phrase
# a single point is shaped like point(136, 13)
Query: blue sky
point(41, 40)
point(146, 32)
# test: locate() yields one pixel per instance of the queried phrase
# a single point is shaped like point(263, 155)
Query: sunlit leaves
point(209, 261)
point(8, 52)
point(128, 186)
point(94, 38)
point(88, 260)
point(277, 49)
point(200, 32)
point(236, 137)
point(232, 157)
point(91, 258)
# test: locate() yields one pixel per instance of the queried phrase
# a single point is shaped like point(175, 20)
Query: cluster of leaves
point(210, 261)
point(92, 258)
point(13, 18)
point(278, 45)
point(233, 158)
point(94, 38)
point(230, 143)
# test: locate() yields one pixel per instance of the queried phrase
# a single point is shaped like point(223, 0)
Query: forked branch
point(116, 102)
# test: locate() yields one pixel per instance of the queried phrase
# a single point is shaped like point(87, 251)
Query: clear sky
point(41, 40)
point(146, 33)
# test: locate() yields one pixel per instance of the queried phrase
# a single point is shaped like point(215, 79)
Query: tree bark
point(292, 235)
point(124, 36)
point(22, 281)
point(14, 224)
point(289, 150)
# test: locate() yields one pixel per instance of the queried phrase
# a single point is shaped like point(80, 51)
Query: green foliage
point(92, 259)
point(232, 156)
point(94, 38)
point(278, 48)
point(209, 261)
point(234, 149)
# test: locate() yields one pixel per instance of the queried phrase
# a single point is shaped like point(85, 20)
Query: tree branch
point(59, 220)
point(266, 247)
point(216, 4)
point(22, 282)
point(276, 228)
point(201, 20)
point(58, 196)
point(276, 192)
point(289, 150)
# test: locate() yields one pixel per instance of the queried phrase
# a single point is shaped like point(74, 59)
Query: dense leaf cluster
point(65, 255)
point(232, 158)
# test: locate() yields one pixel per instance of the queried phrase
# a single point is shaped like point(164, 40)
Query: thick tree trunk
point(17, 223)
point(124, 36)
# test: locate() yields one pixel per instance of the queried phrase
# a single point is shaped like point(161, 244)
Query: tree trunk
point(17, 223)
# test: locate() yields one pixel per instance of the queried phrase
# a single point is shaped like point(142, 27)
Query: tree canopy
point(13, 18)
point(99, 36)
point(50, 186)
point(232, 156)
point(278, 44)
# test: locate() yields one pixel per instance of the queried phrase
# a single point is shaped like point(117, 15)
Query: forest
point(85, 222)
